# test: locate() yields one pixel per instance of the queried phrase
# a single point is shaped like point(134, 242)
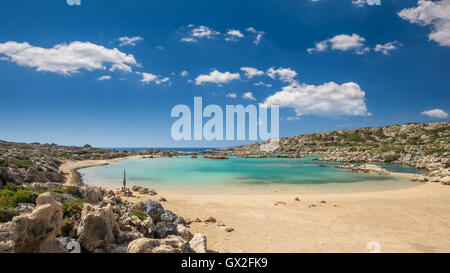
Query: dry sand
point(414, 219)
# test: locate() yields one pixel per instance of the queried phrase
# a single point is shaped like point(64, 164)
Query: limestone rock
point(172, 244)
point(198, 243)
point(25, 208)
point(184, 232)
point(91, 194)
point(70, 245)
point(35, 232)
point(97, 229)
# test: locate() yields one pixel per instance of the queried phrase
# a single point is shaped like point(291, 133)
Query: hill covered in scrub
point(35, 162)
point(420, 145)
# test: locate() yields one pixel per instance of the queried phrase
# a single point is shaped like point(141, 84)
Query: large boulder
point(154, 209)
point(35, 232)
point(164, 229)
point(198, 244)
point(171, 217)
point(97, 229)
point(172, 244)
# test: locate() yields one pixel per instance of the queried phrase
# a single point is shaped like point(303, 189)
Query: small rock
point(228, 229)
point(296, 199)
point(210, 219)
point(162, 199)
point(323, 202)
point(198, 244)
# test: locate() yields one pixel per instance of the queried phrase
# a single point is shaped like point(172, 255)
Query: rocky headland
point(418, 145)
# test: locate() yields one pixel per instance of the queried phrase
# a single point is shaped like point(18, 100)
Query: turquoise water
point(236, 175)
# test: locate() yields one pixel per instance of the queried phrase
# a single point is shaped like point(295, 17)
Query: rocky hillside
point(420, 145)
point(35, 162)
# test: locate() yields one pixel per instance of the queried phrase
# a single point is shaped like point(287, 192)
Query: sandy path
point(415, 219)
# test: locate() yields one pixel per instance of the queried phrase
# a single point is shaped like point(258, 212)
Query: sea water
point(238, 175)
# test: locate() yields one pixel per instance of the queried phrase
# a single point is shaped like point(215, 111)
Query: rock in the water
point(97, 229)
point(35, 232)
point(164, 229)
point(172, 244)
point(198, 243)
point(154, 209)
point(91, 194)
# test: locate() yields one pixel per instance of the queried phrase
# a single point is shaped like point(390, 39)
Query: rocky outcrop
point(36, 232)
point(365, 168)
point(97, 229)
point(171, 244)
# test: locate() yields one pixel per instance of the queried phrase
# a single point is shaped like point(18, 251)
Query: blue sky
point(329, 64)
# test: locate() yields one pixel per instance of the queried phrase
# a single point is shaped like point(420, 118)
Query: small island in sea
point(360, 190)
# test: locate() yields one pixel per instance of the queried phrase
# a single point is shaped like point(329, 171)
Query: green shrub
point(72, 208)
point(6, 214)
point(390, 157)
point(379, 133)
point(140, 214)
point(65, 230)
point(21, 163)
point(11, 196)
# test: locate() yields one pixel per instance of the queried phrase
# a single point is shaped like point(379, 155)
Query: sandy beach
point(414, 219)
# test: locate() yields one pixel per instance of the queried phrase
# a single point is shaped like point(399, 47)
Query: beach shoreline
point(413, 219)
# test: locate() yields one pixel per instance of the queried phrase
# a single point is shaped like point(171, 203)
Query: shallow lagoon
point(240, 175)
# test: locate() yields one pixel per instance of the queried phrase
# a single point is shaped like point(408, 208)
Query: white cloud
point(260, 83)
point(292, 118)
point(284, 74)
point(435, 14)
point(231, 95)
point(343, 42)
point(131, 41)
point(251, 72)
point(184, 73)
point(188, 40)
point(67, 59)
point(259, 34)
point(248, 96)
point(149, 77)
point(201, 32)
point(103, 78)
point(329, 99)
point(217, 77)
point(233, 35)
point(435, 113)
point(159, 47)
point(385, 48)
